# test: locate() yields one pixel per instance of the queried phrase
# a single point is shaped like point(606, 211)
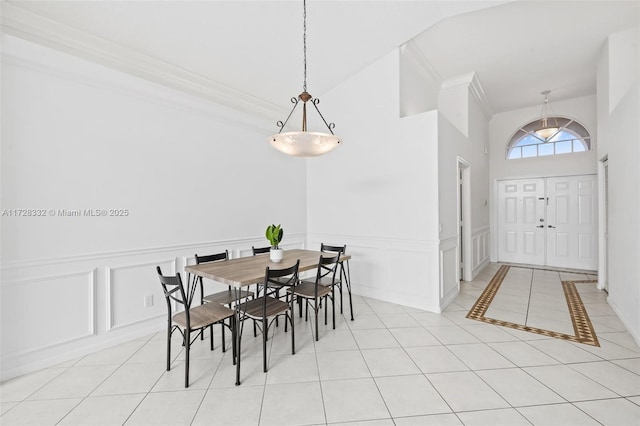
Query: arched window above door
point(568, 136)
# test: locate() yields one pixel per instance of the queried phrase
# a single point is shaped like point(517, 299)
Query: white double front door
point(549, 221)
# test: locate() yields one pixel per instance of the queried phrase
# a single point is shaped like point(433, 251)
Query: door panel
point(529, 242)
point(572, 222)
point(562, 244)
point(519, 213)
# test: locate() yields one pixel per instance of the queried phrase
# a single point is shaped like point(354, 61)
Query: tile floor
point(393, 365)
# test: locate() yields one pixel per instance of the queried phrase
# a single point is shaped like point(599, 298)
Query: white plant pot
point(276, 255)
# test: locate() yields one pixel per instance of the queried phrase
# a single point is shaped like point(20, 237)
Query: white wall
point(463, 137)
point(502, 127)
point(194, 177)
point(378, 193)
point(618, 112)
point(392, 185)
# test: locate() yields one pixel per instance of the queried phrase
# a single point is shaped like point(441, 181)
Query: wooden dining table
point(245, 271)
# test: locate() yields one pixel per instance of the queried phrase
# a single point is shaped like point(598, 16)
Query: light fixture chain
point(304, 42)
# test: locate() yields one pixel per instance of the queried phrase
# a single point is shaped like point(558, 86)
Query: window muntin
point(571, 137)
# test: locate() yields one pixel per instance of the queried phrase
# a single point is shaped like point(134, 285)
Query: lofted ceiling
point(248, 54)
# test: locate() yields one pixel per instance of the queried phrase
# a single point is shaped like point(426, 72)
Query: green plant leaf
point(274, 234)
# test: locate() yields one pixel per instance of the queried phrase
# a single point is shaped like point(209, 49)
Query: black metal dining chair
point(274, 287)
point(344, 276)
point(322, 288)
point(225, 297)
point(264, 310)
point(191, 320)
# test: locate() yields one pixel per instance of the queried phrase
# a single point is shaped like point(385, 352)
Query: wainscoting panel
point(398, 271)
point(47, 311)
point(449, 266)
point(134, 293)
point(408, 272)
point(480, 243)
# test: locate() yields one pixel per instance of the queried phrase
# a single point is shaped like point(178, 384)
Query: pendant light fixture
point(546, 131)
point(304, 143)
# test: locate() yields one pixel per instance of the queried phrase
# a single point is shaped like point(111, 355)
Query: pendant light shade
point(303, 143)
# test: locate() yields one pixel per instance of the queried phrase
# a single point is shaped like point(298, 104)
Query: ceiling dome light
point(303, 143)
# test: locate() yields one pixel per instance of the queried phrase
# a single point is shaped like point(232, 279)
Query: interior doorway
point(549, 221)
point(603, 270)
point(465, 270)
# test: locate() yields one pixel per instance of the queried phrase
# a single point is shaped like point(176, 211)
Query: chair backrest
point(260, 250)
point(327, 267)
point(332, 249)
point(172, 285)
point(275, 276)
point(212, 257)
point(278, 278)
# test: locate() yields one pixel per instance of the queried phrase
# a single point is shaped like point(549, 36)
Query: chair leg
point(277, 297)
point(202, 303)
point(264, 343)
point(316, 312)
point(287, 299)
point(234, 335)
point(224, 349)
point(347, 281)
point(333, 308)
point(187, 344)
point(326, 308)
point(293, 335)
point(210, 335)
point(240, 325)
point(169, 347)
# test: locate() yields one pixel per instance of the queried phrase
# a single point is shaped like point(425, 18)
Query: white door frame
point(603, 245)
point(597, 232)
point(464, 181)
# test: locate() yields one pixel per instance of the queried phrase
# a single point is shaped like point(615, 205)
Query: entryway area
point(541, 301)
point(549, 221)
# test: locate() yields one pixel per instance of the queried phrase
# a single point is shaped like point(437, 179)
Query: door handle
point(540, 226)
point(551, 226)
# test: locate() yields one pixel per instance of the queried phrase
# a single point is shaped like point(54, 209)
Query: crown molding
point(478, 92)
point(421, 59)
point(471, 82)
point(182, 102)
point(27, 25)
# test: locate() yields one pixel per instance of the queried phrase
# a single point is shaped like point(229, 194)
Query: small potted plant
point(274, 235)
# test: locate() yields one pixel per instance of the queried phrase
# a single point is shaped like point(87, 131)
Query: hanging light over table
point(304, 143)
point(546, 131)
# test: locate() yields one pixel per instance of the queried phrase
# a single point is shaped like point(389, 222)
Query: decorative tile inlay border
point(584, 332)
point(581, 323)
